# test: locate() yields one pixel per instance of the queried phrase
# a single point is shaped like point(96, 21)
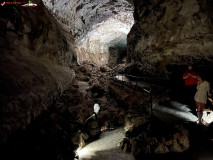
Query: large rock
point(35, 63)
point(161, 149)
point(171, 32)
point(141, 138)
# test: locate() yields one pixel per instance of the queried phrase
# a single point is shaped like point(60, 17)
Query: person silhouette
point(191, 79)
point(203, 90)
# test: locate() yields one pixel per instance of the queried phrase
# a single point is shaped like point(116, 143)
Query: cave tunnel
point(104, 79)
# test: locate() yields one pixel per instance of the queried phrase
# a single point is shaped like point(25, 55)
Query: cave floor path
point(105, 148)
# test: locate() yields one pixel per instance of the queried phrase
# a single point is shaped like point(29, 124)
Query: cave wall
point(94, 24)
point(36, 59)
point(170, 32)
point(82, 16)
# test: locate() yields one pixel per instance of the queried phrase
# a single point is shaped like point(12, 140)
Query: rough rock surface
point(35, 63)
point(63, 127)
point(171, 32)
point(98, 27)
point(105, 148)
point(141, 138)
point(52, 135)
point(82, 16)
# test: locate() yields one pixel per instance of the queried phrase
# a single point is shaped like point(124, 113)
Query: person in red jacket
point(191, 80)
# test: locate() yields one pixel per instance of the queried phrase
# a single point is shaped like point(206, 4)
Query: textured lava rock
point(159, 138)
point(97, 27)
point(34, 64)
point(52, 135)
point(171, 32)
point(81, 16)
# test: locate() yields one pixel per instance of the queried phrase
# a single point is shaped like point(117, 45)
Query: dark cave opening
point(117, 54)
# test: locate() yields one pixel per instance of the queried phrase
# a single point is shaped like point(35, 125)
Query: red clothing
point(190, 79)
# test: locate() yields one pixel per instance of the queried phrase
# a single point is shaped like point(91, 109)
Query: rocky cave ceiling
point(96, 25)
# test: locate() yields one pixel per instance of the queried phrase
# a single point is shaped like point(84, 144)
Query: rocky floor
point(62, 129)
point(105, 148)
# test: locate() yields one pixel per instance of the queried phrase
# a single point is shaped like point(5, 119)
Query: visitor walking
point(203, 89)
point(191, 79)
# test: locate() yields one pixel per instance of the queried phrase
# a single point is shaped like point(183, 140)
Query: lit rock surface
point(171, 32)
point(82, 16)
point(174, 112)
point(100, 28)
point(105, 148)
point(35, 62)
point(143, 137)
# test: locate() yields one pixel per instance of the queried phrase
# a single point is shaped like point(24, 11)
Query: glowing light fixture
point(207, 117)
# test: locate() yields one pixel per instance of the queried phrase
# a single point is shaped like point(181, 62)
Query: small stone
point(177, 136)
point(184, 141)
point(94, 132)
point(169, 142)
point(133, 145)
point(120, 144)
point(176, 147)
point(125, 148)
point(94, 124)
point(161, 149)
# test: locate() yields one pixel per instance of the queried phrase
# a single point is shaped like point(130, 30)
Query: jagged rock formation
point(83, 16)
point(42, 52)
point(35, 62)
point(171, 32)
point(38, 60)
point(141, 138)
point(100, 28)
point(63, 127)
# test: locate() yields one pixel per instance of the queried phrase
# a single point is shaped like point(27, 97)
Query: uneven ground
point(61, 129)
point(106, 147)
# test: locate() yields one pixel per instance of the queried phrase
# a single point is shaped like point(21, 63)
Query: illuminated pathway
point(105, 148)
point(174, 112)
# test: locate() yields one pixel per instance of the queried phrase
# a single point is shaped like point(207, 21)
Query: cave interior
point(61, 59)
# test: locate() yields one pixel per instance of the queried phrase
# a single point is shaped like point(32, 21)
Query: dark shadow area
point(117, 51)
point(168, 156)
point(201, 146)
point(49, 136)
point(176, 82)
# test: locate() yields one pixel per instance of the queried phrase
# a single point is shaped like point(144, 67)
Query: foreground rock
point(143, 137)
point(105, 148)
point(36, 59)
